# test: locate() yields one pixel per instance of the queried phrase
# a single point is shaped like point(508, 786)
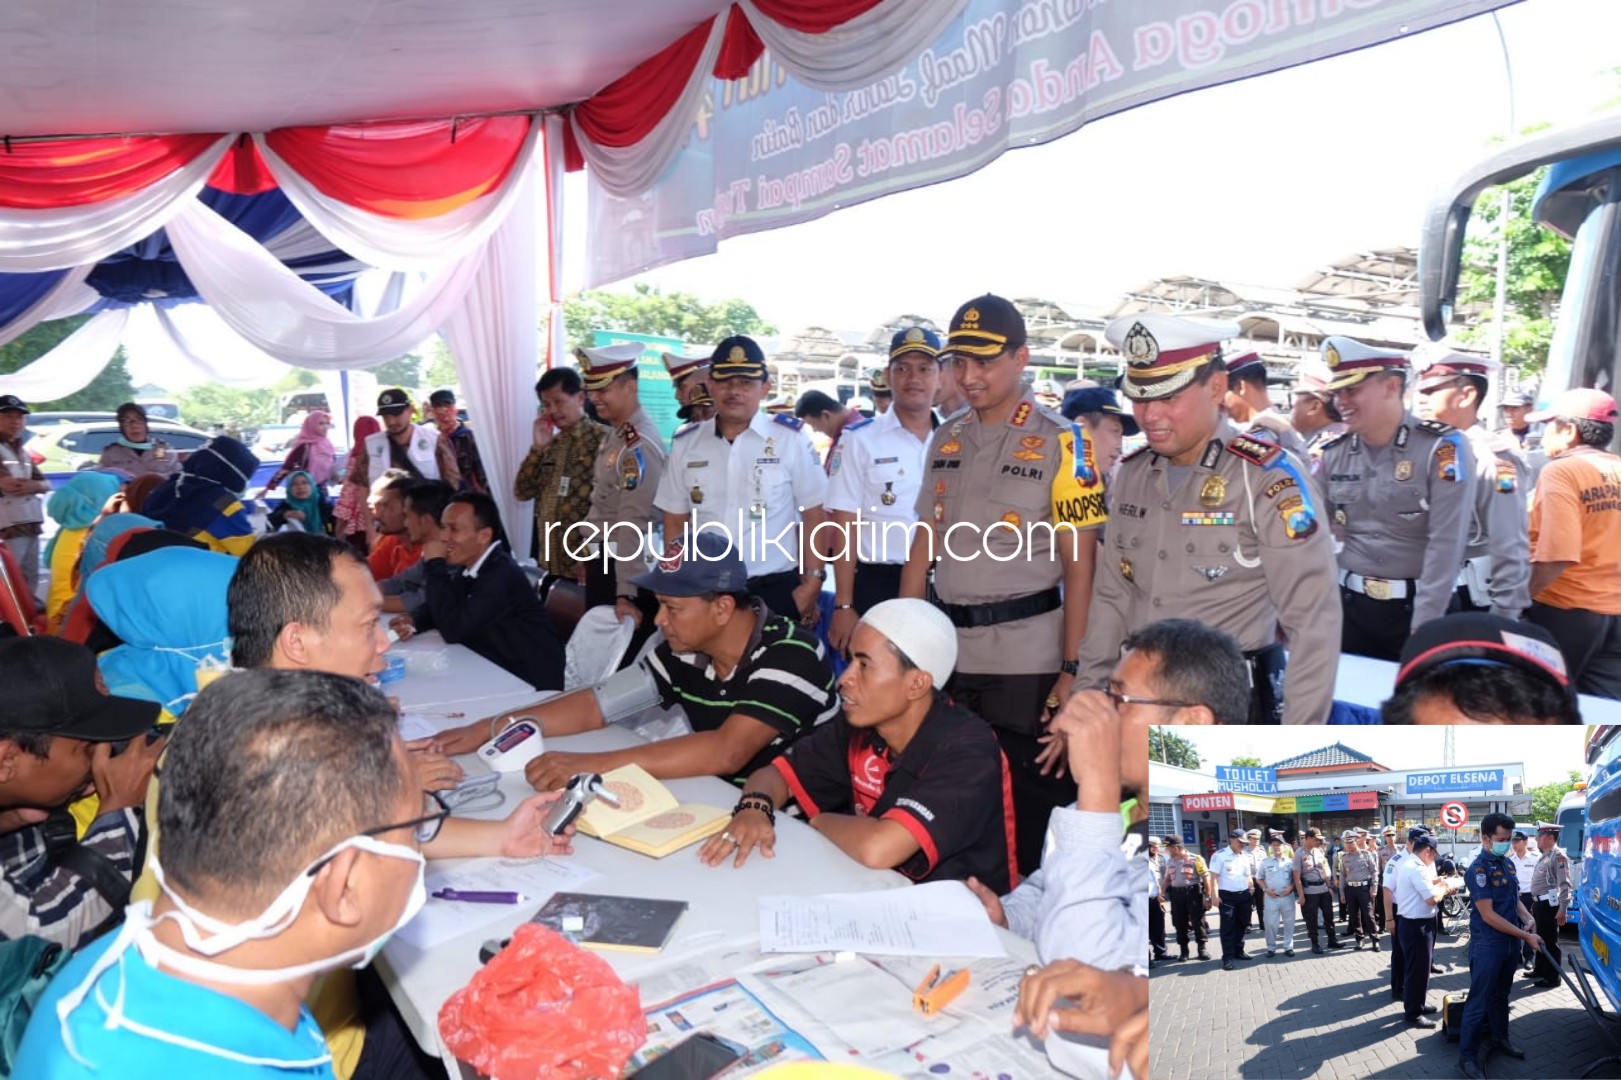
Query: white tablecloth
point(1365, 681)
point(466, 682)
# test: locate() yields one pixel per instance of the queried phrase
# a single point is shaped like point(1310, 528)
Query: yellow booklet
point(648, 819)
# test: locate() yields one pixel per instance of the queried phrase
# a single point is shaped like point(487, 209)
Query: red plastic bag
point(544, 1007)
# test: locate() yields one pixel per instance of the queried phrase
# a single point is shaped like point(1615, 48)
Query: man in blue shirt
point(1495, 938)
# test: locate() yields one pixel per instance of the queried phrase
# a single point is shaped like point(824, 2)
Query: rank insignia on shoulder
point(792, 423)
point(857, 425)
point(1335, 441)
point(629, 433)
point(1253, 450)
point(685, 429)
point(1435, 427)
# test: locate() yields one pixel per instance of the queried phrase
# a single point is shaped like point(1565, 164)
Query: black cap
point(1480, 637)
point(1097, 399)
point(715, 567)
point(393, 401)
point(1235, 834)
point(1423, 840)
point(1417, 831)
point(12, 403)
point(1519, 834)
point(986, 326)
point(1173, 841)
point(738, 357)
point(442, 397)
point(51, 690)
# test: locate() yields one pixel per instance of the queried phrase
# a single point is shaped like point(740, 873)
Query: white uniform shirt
point(1258, 855)
point(1524, 865)
point(875, 473)
point(1278, 873)
point(1413, 880)
point(1232, 869)
point(752, 487)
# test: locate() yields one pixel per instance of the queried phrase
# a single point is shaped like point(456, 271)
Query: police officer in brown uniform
point(1185, 881)
point(1212, 525)
point(1550, 899)
point(1402, 491)
point(630, 462)
point(1010, 495)
point(1359, 876)
point(1496, 574)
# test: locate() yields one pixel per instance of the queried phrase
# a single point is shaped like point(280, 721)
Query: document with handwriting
point(939, 919)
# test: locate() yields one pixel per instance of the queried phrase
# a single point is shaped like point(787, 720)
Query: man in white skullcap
point(901, 778)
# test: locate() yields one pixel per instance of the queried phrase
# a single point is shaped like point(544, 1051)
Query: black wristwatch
point(1070, 667)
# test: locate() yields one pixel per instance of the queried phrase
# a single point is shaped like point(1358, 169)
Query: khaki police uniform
point(1550, 898)
point(1402, 513)
point(1185, 887)
point(993, 497)
point(1359, 875)
point(1237, 541)
point(630, 463)
point(1496, 573)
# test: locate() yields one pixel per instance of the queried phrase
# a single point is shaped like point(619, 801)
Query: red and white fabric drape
point(630, 131)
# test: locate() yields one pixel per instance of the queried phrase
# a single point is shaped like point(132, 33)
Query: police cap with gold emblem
point(1350, 361)
point(916, 339)
point(601, 366)
point(1164, 353)
point(738, 357)
point(1438, 365)
point(986, 326)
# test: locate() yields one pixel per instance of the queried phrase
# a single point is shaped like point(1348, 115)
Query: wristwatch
point(818, 574)
point(1070, 667)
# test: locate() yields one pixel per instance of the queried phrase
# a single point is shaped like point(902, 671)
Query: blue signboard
point(1247, 780)
point(1187, 832)
point(1454, 780)
point(1336, 802)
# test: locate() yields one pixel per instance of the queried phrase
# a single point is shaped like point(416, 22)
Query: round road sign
point(1453, 815)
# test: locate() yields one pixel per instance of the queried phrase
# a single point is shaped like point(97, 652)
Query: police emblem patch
point(1213, 492)
point(1446, 461)
point(887, 496)
point(1507, 479)
point(1404, 470)
point(1140, 347)
point(1480, 878)
point(1012, 518)
point(950, 446)
point(696, 494)
point(1125, 569)
point(1298, 521)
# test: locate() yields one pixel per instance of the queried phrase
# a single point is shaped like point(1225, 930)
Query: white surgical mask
point(209, 936)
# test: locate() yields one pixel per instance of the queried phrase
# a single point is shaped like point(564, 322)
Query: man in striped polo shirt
point(749, 681)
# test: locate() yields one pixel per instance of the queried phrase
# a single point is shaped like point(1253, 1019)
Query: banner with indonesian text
point(765, 151)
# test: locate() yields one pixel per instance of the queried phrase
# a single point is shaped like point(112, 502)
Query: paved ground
point(1332, 1016)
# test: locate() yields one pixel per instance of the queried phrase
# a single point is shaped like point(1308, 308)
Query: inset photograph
point(1429, 902)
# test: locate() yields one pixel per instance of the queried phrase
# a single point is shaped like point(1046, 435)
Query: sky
point(1548, 753)
point(1258, 182)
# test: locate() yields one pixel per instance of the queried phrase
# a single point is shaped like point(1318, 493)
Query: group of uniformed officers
point(1519, 898)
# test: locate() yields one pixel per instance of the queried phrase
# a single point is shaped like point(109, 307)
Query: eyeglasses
point(1129, 699)
point(435, 811)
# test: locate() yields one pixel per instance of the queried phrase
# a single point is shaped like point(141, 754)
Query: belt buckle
point(1376, 588)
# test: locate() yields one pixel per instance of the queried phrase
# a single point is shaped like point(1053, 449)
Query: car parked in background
point(60, 450)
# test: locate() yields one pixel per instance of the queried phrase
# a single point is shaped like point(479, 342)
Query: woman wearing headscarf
point(311, 451)
point(204, 501)
point(135, 451)
point(352, 512)
point(304, 507)
point(74, 507)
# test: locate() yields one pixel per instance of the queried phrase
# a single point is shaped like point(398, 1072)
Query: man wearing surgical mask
point(210, 979)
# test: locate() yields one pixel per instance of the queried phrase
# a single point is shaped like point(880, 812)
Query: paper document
point(415, 726)
point(440, 921)
point(940, 919)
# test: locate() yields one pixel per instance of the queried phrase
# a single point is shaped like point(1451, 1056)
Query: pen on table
point(475, 897)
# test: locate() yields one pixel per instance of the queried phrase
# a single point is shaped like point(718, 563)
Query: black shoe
point(1203, 955)
point(1420, 1021)
point(1242, 955)
point(1272, 952)
point(1176, 959)
point(1376, 945)
point(1316, 948)
point(1339, 944)
point(1429, 1010)
point(1288, 952)
point(1226, 965)
point(1546, 984)
point(1437, 969)
point(1470, 1070)
point(1508, 1049)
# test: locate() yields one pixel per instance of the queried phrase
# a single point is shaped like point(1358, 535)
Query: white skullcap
point(921, 631)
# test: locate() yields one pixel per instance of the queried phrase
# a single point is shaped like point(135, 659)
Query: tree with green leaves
point(1545, 797)
point(441, 366)
point(1246, 761)
point(649, 310)
point(1171, 749)
point(402, 371)
point(1538, 260)
point(228, 406)
point(108, 390)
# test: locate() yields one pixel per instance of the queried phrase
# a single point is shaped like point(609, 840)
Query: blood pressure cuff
point(627, 693)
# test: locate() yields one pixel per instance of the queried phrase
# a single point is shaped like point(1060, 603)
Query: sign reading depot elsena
point(767, 150)
point(1454, 780)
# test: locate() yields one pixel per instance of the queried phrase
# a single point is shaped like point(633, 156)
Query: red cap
point(1577, 405)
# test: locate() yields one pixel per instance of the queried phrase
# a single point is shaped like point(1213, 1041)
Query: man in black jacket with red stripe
point(901, 778)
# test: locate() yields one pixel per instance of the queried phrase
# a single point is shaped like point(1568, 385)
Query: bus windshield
point(1587, 334)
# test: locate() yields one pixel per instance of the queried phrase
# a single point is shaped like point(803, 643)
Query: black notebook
point(623, 923)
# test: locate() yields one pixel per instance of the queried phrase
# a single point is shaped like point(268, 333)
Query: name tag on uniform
point(885, 460)
point(768, 461)
point(562, 486)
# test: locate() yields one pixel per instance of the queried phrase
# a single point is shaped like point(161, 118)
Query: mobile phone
point(698, 1058)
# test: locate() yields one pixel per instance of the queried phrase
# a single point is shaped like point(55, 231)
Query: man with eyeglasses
point(1212, 525)
point(1496, 573)
point(1401, 491)
point(1008, 504)
point(213, 975)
